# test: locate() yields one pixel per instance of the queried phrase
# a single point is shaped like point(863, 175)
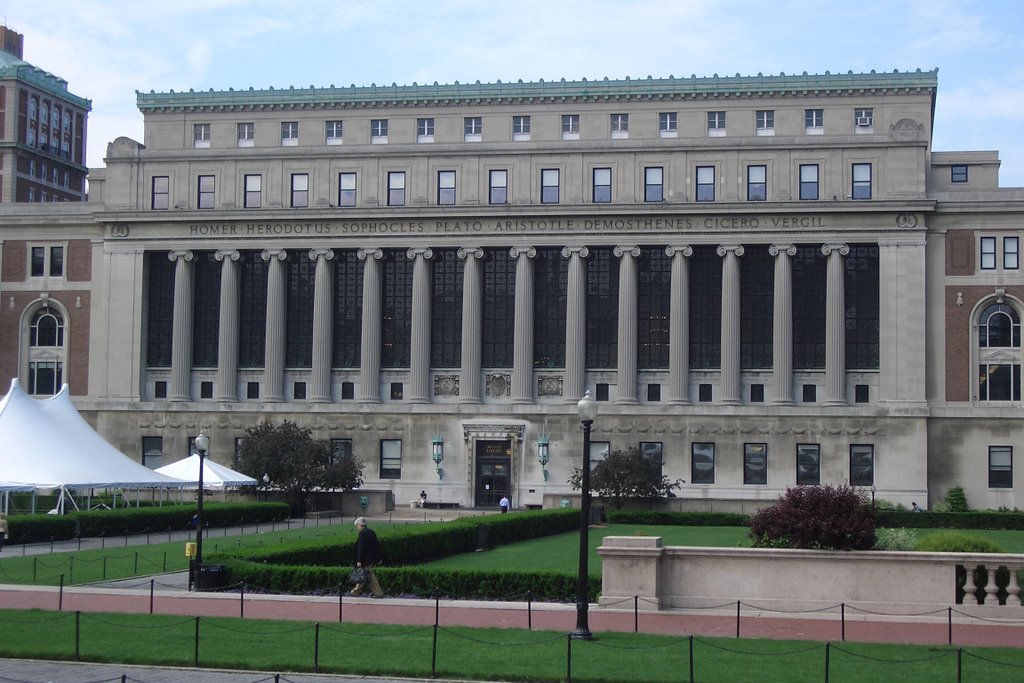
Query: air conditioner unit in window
point(863, 121)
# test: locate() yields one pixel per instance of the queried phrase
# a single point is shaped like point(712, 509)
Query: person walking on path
point(367, 557)
point(505, 504)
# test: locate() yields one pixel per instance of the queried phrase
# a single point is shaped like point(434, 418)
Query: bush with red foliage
point(819, 517)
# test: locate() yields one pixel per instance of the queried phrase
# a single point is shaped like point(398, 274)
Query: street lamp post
point(587, 409)
point(202, 446)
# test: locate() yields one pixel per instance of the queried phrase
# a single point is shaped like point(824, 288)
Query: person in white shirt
point(505, 504)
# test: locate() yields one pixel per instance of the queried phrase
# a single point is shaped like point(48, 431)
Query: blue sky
point(107, 50)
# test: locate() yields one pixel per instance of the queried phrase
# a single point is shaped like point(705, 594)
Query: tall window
point(958, 173)
point(497, 187)
point(206, 191)
point(424, 130)
point(346, 189)
point(808, 464)
point(159, 309)
point(602, 309)
point(988, 253)
point(499, 308)
point(668, 124)
point(550, 275)
point(152, 451)
point(45, 377)
point(705, 308)
point(300, 279)
point(1011, 253)
point(570, 126)
point(446, 309)
point(861, 295)
point(999, 353)
point(378, 131)
point(446, 187)
point(396, 309)
point(602, 185)
point(809, 268)
point(161, 198)
point(755, 464)
point(814, 121)
point(861, 181)
point(253, 191)
point(757, 299)
point(765, 122)
point(654, 184)
point(252, 310)
point(757, 183)
point(290, 133)
point(390, 458)
point(862, 465)
point(333, 132)
point(201, 135)
point(520, 128)
point(620, 126)
point(705, 183)
point(702, 463)
point(808, 181)
point(47, 262)
point(47, 329)
point(348, 309)
point(246, 134)
point(205, 310)
point(396, 188)
point(300, 190)
point(1000, 467)
point(549, 186)
point(654, 287)
point(473, 128)
point(716, 124)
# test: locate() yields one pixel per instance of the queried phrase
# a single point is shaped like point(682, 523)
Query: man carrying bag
point(367, 557)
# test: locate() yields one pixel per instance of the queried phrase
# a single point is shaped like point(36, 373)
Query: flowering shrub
point(895, 539)
point(822, 517)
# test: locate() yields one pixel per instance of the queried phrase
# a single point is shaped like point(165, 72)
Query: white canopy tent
point(215, 476)
point(46, 444)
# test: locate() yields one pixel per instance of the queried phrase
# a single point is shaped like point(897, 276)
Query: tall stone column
point(730, 374)
point(575, 324)
point(679, 326)
point(369, 359)
point(273, 356)
point(522, 363)
point(835, 324)
point(782, 324)
point(227, 339)
point(181, 330)
point(472, 325)
point(419, 354)
point(626, 389)
point(323, 330)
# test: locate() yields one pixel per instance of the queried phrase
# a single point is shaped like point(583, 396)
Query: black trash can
point(597, 514)
point(483, 538)
point(212, 577)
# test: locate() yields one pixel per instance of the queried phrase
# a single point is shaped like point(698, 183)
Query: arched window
point(999, 353)
point(47, 329)
point(46, 351)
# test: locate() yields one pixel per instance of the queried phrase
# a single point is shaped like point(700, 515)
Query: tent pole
point(34, 501)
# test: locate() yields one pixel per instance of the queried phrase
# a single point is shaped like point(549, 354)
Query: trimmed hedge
point(678, 518)
point(1009, 521)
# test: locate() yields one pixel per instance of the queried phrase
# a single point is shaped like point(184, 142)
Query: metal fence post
point(828, 653)
point(78, 635)
point(195, 657)
point(316, 647)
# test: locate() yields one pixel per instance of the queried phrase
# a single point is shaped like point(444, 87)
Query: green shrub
point(894, 539)
point(651, 517)
point(1010, 521)
point(956, 500)
point(956, 542)
point(821, 517)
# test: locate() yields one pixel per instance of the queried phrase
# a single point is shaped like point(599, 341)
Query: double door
point(493, 479)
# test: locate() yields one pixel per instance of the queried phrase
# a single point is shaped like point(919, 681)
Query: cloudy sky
point(108, 49)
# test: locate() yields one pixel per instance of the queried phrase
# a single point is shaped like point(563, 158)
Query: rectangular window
point(809, 393)
point(341, 449)
point(653, 393)
point(705, 183)
point(348, 391)
point(299, 391)
point(473, 128)
point(333, 132)
point(653, 451)
point(599, 451)
point(601, 391)
point(861, 181)
point(396, 188)
point(808, 464)
point(378, 131)
point(757, 183)
point(620, 126)
point(808, 181)
point(958, 173)
point(206, 390)
point(755, 464)
point(290, 133)
point(253, 191)
point(520, 128)
point(602, 185)
point(716, 124)
point(446, 187)
point(424, 130)
point(38, 265)
point(862, 465)
point(668, 124)
point(246, 134)
point(152, 451)
point(704, 393)
point(861, 393)
point(757, 393)
point(201, 135)
point(56, 268)
point(161, 197)
point(570, 126)
point(160, 389)
point(654, 184)
point(45, 378)
point(346, 189)
point(300, 190)
point(252, 390)
point(549, 186)
point(206, 192)
point(863, 120)
point(1011, 253)
point(390, 459)
point(397, 391)
point(1000, 467)
point(988, 253)
point(999, 382)
point(702, 463)
point(497, 187)
point(814, 121)
point(765, 122)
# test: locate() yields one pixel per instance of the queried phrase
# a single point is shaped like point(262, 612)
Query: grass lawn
point(479, 653)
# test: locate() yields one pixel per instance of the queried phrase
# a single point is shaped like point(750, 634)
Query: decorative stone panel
point(446, 385)
point(549, 385)
point(498, 384)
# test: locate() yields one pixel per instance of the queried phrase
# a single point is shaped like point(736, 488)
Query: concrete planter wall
point(886, 582)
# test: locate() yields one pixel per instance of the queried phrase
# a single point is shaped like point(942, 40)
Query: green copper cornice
point(13, 68)
point(543, 91)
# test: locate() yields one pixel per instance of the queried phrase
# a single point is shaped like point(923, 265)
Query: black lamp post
point(587, 409)
point(202, 446)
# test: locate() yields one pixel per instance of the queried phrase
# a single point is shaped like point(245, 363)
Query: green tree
point(625, 475)
point(295, 462)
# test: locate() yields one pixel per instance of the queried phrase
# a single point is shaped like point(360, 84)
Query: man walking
point(367, 557)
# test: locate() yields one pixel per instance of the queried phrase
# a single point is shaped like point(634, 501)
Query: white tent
point(45, 443)
point(215, 476)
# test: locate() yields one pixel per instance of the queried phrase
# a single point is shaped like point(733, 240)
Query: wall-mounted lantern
point(543, 453)
point(437, 452)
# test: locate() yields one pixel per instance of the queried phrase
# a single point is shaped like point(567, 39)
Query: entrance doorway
point(493, 472)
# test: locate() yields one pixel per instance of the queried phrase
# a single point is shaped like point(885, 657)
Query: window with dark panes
point(808, 181)
point(549, 186)
point(958, 173)
point(205, 310)
point(1011, 253)
point(390, 459)
point(497, 187)
point(396, 309)
point(206, 192)
point(47, 329)
point(550, 277)
point(602, 308)
point(300, 284)
point(446, 309)
point(862, 465)
point(341, 449)
point(861, 295)
point(160, 309)
point(252, 310)
point(38, 262)
point(702, 463)
point(152, 451)
point(346, 189)
point(602, 186)
point(347, 316)
point(654, 292)
point(755, 464)
point(809, 267)
point(757, 300)
point(1000, 467)
point(705, 308)
point(161, 198)
point(499, 308)
point(808, 464)
point(654, 184)
point(705, 183)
